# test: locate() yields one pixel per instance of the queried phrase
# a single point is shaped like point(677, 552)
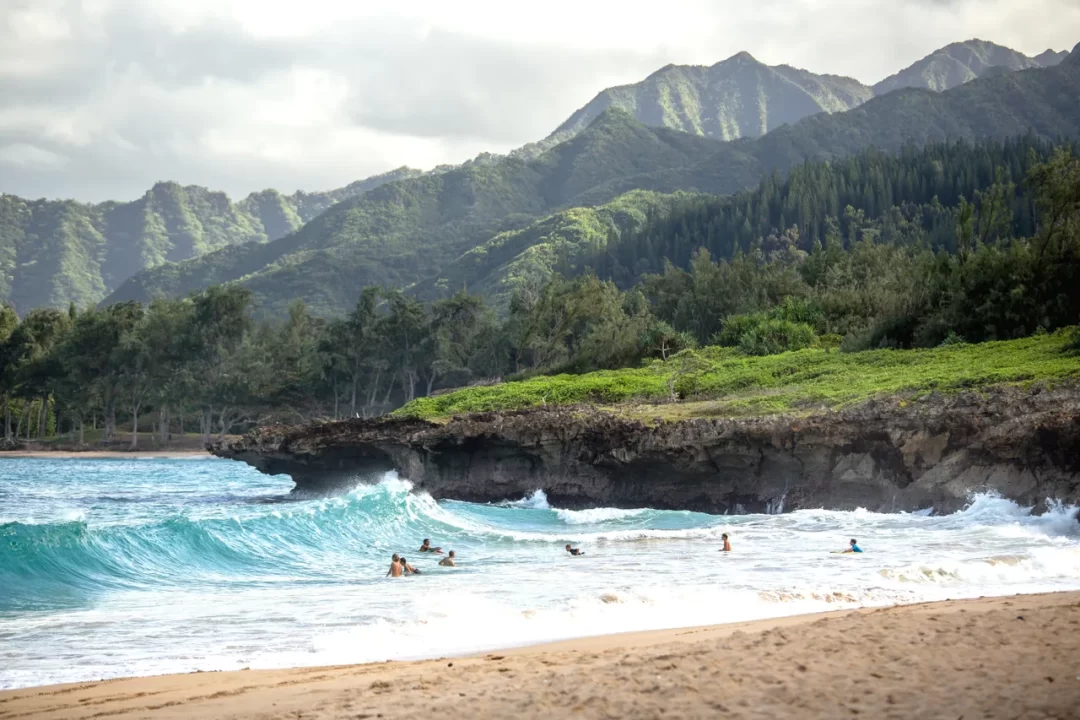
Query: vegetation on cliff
point(917, 276)
point(725, 382)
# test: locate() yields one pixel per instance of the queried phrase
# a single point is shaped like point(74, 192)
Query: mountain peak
point(956, 64)
point(742, 57)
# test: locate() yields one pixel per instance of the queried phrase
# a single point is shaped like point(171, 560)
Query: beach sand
point(1012, 657)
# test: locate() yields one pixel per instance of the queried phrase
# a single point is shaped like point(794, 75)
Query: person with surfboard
point(854, 547)
point(426, 547)
point(574, 550)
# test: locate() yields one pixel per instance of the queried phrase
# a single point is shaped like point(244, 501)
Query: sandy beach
point(1011, 657)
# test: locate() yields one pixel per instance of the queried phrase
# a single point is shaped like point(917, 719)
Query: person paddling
point(727, 544)
point(574, 551)
point(854, 547)
point(426, 547)
point(407, 568)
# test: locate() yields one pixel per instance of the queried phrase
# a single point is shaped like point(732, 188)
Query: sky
point(99, 99)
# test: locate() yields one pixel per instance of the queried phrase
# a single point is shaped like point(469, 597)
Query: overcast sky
point(101, 98)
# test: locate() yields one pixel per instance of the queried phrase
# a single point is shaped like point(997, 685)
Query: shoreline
point(972, 657)
point(103, 454)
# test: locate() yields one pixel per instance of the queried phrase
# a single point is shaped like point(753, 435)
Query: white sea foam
point(163, 575)
point(596, 515)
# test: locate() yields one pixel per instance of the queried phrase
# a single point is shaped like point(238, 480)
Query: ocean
point(125, 567)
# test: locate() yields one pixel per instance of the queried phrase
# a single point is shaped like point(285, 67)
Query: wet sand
point(1011, 657)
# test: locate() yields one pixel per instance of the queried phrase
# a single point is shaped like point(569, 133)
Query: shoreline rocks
point(892, 454)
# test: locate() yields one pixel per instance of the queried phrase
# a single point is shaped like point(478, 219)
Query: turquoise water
point(134, 567)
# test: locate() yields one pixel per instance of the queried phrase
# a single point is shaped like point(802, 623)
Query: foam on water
point(120, 567)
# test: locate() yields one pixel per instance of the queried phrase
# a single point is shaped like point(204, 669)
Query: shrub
point(772, 337)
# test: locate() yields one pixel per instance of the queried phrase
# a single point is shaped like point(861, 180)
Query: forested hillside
point(1044, 102)
point(743, 98)
point(405, 231)
point(53, 252)
point(640, 232)
point(994, 254)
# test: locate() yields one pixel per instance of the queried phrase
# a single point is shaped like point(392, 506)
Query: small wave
point(596, 515)
point(1039, 566)
point(535, 501)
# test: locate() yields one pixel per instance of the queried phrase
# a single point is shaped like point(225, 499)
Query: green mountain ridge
point(55, 252)
point(735, 98)
point(403, 232)
point(743, 98)
point(1043, 101)
point(435, 232)
point(956, 64)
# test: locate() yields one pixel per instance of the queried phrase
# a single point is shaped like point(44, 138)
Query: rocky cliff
point(887, 455)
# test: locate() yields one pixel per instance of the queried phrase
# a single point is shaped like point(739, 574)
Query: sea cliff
point(888, 455)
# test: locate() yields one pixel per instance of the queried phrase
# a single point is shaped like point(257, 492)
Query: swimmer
point(574, 550)
point(426, 547)
point(395, 567)
point(727, 545)
point(407, 568)
point(448, 561)
point(854, 547)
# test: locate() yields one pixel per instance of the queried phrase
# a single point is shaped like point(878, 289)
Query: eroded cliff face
point(886, 455)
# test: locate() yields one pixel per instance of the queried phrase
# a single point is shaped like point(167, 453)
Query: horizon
point(107, 100)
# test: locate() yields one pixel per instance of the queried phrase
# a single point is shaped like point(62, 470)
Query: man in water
point(574, 550)
point(426, 547)
point(727, 545)
point(395, 567)
point(407, 568)
point(448, 561)
point(854, 547)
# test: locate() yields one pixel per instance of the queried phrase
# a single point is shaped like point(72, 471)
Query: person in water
point(407, 568)
point(854, 547)
point(426, 547)
point(574, 550)
point(727, 544)
point(448, 561)
point(395, 567)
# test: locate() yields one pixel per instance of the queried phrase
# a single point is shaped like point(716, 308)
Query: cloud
point(100, 98)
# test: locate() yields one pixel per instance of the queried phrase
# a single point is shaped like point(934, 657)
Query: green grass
point(735, 385)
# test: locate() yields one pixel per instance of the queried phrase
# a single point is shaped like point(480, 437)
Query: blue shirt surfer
point(854, 547)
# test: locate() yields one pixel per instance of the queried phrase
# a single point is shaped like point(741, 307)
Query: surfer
point(426, 547)
point(727, 544)
point(395, 567)
point(854, 547)
point(448, 561)
point(574, 550)
point(409, 569)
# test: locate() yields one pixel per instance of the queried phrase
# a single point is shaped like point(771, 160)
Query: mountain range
point(489, 223)
point(54, 252)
